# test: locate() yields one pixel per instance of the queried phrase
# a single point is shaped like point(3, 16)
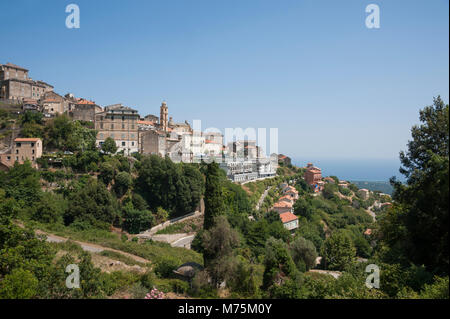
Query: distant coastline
point(381, 186)
point(362, 170)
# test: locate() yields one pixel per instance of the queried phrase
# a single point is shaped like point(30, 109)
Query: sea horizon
point(370, 170)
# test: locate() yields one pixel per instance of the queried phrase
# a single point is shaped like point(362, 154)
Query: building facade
point(289, 220)
point(119, 123)
point(15, 84)
point(313, 175)
point(23, 149)
point(84, 110)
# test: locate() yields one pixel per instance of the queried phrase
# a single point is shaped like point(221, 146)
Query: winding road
point(93, 248)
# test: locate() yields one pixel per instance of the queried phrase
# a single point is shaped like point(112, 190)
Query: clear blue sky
point(332, 87)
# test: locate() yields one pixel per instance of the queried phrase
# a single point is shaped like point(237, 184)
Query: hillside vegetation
point(97, 196)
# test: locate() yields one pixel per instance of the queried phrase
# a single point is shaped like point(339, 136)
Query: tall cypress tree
point(214, 205)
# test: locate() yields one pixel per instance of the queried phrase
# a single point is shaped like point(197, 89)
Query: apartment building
point(118, 122)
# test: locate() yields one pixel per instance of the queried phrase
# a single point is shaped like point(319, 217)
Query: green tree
point(19, 284)
point(92, 203)
point(122, 183)
point(32, 130)
point(195, 183)
point(82, 138)
point(161, 215)
point(417, 226)
point(21, 182)
point(303, 253)
point(280, 269)
point(107, 173)
point(57, 132)
point(214, 205)
point(338, 252)
point(218, 244)
point(31, 117)
point(162, 183)
point(136, 220)
point(109, 146)
point(49, 209)
point(439, 289)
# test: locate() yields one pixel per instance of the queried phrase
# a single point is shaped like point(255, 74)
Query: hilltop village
point(243, 160)
point(152, 208)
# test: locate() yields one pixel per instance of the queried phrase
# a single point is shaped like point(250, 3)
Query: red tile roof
point(146, 122)
point(287, 217)
point(83, 101)
point(282, 204)
point(27, 139)
point(286, 196)
point(211, 142)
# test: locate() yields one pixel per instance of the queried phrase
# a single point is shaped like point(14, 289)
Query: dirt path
point(263, 196)
point(93, 248)
point(335, 274)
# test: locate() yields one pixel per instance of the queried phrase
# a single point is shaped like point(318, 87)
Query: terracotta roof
point(290, 189)
point(287, 217)
point(211, 142)
point(146, 122)
point(281, 156)
point(83, 101)
point(282, 204)
point(27, 139)
point(368, 231)
point(51, 101)
point(287, 197)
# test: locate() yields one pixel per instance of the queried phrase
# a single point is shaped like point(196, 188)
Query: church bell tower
point(163, 117)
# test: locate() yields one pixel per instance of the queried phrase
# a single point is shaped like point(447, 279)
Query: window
point(112, 126)
point(101, 125)
point(123, 126)
point(123, 118)
point(101, 136)
point(17, 151)
point(17, 158)
point(32, 151)
point(132, 143)
point(32, 144)
point(123, 143)
point(32, 158)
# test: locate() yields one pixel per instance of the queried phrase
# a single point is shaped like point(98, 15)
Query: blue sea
point(355, 169)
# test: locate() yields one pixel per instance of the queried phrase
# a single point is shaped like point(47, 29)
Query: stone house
point(119, 123)
point(23, 149)
point(15, 84)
